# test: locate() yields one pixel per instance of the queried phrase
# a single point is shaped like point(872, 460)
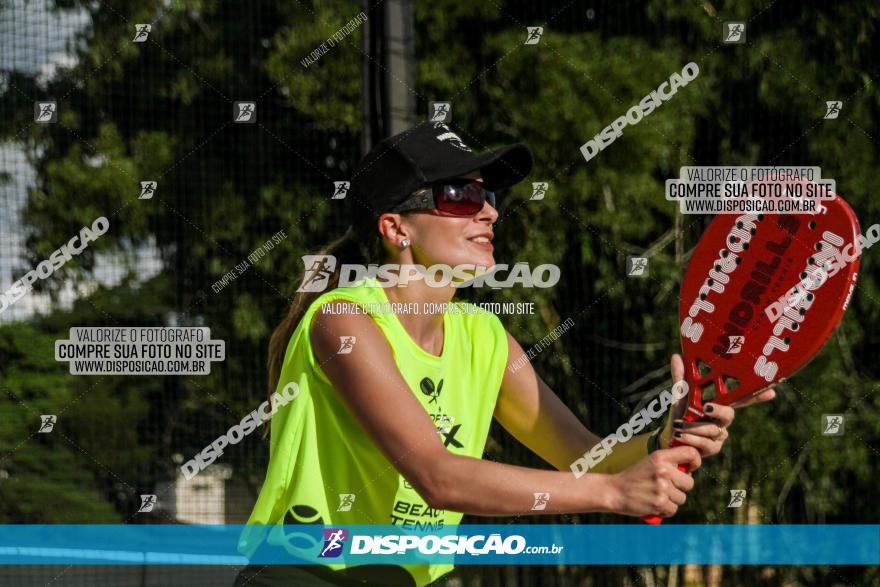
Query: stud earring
point(404, 243)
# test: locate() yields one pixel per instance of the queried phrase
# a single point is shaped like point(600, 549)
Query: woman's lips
point(482, 242)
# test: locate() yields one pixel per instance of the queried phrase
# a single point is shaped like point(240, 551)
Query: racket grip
point(657, 520)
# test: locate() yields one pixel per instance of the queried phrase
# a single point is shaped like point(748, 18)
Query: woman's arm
point(374, 390)
point(534, 415)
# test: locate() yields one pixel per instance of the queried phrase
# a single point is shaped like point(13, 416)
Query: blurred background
point(162, 110)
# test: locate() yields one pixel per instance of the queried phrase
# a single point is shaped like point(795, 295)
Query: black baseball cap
point(427, 153)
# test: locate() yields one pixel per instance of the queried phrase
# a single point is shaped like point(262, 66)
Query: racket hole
point(731, 383)
point(753, 231)
point(708, 393)
point(733, 239)
point(760, 217)
point(786, 340)
point(725, 253)
point(812, 260)
point(702, 296)
point(818, 246)
point(739, 224)
point(802, 311)
point(812, 224)
point(809, 297)
point(795, 326)
point(710, 282)
point(738, 260)
point(717, 267)
point(803, 274)
point(745, 246)
point(703, 368)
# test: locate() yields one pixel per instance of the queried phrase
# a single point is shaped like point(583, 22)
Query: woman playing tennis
point(393, 411)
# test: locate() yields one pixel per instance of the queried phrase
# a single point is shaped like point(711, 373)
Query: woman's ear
point(393, 228)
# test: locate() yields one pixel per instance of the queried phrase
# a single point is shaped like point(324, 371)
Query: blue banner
point(465, 544)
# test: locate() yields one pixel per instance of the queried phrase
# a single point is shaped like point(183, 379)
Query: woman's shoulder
point(361, 293)
point(362, 304)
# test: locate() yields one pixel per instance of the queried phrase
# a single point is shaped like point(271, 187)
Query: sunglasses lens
point(463, 200)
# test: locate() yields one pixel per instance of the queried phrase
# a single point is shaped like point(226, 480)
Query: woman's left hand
point(707, 435)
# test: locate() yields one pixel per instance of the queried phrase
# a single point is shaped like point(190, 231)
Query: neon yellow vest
point(319, 455)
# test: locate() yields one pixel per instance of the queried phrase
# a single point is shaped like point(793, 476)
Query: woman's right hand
point(654, 486)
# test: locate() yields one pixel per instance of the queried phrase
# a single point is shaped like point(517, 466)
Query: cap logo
point(452, 138)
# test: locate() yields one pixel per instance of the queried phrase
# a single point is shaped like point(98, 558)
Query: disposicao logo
point(334, 540)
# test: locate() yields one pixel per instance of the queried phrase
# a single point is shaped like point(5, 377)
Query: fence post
point(388, 99)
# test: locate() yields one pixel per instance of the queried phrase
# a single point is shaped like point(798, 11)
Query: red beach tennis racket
point(743, 265)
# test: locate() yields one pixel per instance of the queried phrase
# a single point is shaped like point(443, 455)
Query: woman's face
point(452, 240)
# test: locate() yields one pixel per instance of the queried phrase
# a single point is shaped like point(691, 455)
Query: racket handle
point(657, 520)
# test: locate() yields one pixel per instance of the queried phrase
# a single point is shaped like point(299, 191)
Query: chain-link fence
point(134, 112)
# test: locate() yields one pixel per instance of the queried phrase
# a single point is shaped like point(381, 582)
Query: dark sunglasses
point(453, 198)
